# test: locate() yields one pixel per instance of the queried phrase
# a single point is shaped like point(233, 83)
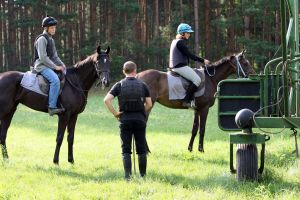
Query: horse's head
point(241, 65)
point(102, 66)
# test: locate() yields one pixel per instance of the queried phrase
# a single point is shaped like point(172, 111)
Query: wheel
point(246, 162)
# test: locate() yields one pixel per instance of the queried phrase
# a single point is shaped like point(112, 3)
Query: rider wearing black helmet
point(46, 61)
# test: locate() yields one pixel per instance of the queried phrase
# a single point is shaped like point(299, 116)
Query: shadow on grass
point(104, 176)
point(271, 183)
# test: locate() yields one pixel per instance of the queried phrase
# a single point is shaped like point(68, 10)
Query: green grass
point(173, 172)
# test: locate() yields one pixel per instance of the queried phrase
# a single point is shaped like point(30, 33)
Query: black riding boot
point(189, 95)
point(142, 164)
point(127, 165)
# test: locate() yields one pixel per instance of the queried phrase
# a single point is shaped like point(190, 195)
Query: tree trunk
point(11, 50)
point(277, 28)
point(247, 26)
point(207, 30)
point(1, 36)
point(230, 31)
point(156, 21)
point(93, 18)
point(196, 16)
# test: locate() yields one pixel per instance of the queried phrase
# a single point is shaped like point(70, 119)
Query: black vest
point(132, 95)
point(49, 48)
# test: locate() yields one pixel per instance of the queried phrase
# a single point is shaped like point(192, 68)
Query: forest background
point(140, 30)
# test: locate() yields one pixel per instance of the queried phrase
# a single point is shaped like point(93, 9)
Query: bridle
point(238, 67)
point(100, 71)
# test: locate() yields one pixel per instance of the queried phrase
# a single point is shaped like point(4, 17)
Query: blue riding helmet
point(184, 28)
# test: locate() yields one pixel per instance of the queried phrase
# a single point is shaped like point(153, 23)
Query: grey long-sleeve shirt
point(44, 61)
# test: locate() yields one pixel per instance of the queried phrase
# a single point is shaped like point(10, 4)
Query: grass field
point(173, 172)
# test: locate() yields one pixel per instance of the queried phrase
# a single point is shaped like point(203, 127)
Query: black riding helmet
point(49, 21)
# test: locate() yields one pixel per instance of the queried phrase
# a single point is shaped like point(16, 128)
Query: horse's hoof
point(55, 162)
point(190, 149)
point(71, 162)
point(6, 160)
point(200, 149)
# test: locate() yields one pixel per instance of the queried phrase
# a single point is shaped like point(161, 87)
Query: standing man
point(46, 61)
point(179, 61)
point(134, 101)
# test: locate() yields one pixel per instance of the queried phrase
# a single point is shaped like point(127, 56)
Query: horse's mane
point(213, 66)
point(81, 63)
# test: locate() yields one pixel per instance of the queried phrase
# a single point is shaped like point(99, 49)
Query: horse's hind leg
point(4, 125)
point(71, 130)
point(194, 130)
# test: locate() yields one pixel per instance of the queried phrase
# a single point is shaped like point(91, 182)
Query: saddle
point(178, 85)
point(35, 82)
point(44, 83)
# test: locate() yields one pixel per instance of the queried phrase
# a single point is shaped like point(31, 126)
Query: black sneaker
point(53, 111)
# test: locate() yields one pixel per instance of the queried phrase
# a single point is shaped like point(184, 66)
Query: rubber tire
point(246, 162)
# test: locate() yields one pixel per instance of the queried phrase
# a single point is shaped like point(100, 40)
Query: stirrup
point(191, 104)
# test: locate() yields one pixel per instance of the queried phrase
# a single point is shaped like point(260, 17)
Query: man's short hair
point(129, 67)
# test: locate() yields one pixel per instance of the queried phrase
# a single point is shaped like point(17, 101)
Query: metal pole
point(284, 55)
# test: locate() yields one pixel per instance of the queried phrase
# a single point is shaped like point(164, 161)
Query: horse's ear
point(99, 49)
point(107, 50)
point(244, 51)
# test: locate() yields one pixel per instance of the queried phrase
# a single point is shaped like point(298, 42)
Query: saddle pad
point(177, 85)
point(30, 82)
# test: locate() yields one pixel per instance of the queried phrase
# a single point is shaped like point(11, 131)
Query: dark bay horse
point(79, 79)
point(220, 70)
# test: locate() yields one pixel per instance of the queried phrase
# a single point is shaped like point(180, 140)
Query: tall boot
point(142, 164)
point(127, 165)
point(189, 95)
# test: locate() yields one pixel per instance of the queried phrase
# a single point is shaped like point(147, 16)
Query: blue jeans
point(53, 79)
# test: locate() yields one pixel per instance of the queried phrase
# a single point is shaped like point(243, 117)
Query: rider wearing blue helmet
point(179, 61)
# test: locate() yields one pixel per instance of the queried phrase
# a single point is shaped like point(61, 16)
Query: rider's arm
point(56, 59)
point(41, 45)
point(184, 49)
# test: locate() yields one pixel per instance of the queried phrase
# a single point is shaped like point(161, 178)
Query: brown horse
point(220, 70)
point(79, 79)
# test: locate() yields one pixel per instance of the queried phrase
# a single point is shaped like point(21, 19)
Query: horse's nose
point(106, 83)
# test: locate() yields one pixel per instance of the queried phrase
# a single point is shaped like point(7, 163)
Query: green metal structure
point(273, 95)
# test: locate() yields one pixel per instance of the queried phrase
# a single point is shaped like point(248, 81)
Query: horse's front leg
point(62, 124)
point(71, 130)
point(194, 130)
point(203, 118)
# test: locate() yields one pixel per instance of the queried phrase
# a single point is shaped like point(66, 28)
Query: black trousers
point(128, 128)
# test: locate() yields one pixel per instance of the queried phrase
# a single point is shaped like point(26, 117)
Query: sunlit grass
point(173, 172)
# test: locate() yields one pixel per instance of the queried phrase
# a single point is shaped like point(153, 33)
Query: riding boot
point(189, 95)
point(127, 165)
point(142, 164)
point(53, 111)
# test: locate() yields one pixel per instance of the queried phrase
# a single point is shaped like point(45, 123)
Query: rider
point(46, 61)
point(179, 61)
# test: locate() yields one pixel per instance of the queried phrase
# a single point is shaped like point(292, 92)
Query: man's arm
point(148, 104)
point(108, 103)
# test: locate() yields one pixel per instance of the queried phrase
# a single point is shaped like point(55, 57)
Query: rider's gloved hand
point(206, 62)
